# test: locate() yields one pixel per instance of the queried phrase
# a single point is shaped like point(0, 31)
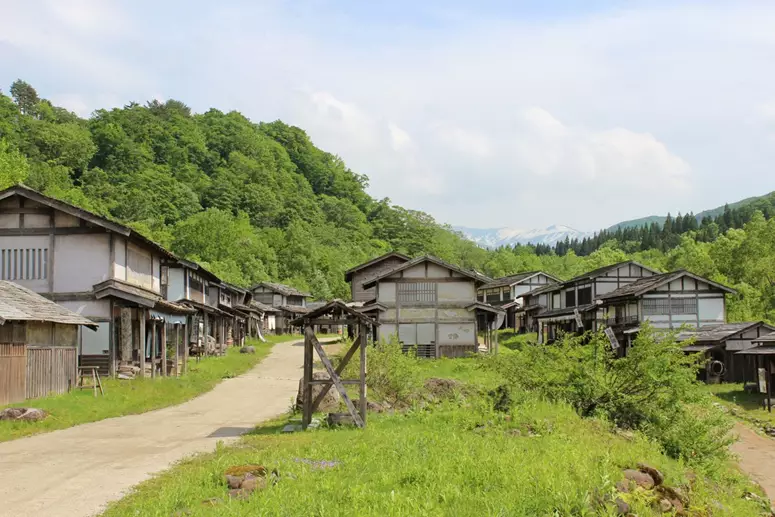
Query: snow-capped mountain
point(494, 237)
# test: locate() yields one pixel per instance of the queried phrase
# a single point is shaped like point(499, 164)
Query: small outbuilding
point(38, 344)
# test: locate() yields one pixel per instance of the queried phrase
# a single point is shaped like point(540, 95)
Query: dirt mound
point(443, 388)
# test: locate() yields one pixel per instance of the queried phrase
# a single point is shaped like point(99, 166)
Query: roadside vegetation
point(128, 397)
point(744, 405)
point(540, 430)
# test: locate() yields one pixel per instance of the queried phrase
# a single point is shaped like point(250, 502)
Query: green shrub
point(392, 375)
point(653, 389)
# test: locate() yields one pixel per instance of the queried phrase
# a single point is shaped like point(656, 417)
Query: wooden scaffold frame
point(334, 313)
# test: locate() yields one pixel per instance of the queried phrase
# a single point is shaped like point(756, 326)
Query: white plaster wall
point(63, 220)
point(90, 309)
point(689, 284)
point(454, 314)
point(417, 314)
point(417, 271)
point(11, 202)
point(604, 287)
point(96, 342)
point(156, 280)
point(711, 309)
point(36, 221)
point(119, 249)
point(387, 292)
point(456, 292)
point(176, 284)
point(27, 242)
point(457, 333)
point(386, 332)
point(436, 271)
point(9, 220)
point(389, 315)
point(80, 261)
point(556, 301)
point(702, 286)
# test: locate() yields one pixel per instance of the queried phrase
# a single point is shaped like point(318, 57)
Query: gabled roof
point(589, 275)
point(281, 288)
point(90, 217)
point(348, 275)
point(516, 279)
point(649, 283)
point(719, 333)
point(769, 339)
point(336, 308)
point(18, 303)
point(419, 260)
point(262, 307)
point(199, 269)
point(484, 307)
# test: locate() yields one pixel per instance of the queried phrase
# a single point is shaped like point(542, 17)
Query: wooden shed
point(38, 344)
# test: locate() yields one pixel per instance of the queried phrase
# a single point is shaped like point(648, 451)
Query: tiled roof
point(649, 283)
point(419, 260)
point(509, 280)
point(282, 289)
point(717, 333)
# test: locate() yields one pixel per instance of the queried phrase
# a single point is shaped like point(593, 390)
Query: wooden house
point(429, 304)
point(507, 292)
point(94, 266)
point(38, 344)
point(367, 271)
point(289, 302)
point(758, 365)
point(555, 306)
point(723, 343)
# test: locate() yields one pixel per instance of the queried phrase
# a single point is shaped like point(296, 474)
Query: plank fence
point(50, 370)
point(13, 373)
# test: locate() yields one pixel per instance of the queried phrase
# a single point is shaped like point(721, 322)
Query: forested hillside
point(250, 201)
point(260, 201)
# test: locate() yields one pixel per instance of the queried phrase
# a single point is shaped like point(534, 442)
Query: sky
point(484, 114)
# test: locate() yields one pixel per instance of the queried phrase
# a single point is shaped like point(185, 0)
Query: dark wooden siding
point(360, 294)
point(50, 370)
point(13, 373)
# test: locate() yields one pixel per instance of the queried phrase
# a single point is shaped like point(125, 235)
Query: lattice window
point(24, 264)
point(664, 306)
point(417, 292)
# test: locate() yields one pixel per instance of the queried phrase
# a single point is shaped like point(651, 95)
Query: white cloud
point(584, 119)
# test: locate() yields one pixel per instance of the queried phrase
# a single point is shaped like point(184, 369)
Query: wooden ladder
point(96, 382)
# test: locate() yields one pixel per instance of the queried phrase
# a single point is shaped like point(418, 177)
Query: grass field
point(743, 405)
point(136, 396)
point(455, 456)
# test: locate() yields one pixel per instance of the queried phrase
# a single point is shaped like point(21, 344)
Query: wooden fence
point(13, 373)
point(50, 370)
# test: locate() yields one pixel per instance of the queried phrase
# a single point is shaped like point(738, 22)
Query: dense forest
point(257, 201)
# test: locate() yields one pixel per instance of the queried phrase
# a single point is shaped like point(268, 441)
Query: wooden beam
point(164, 349)
point(362, 339)
point(324, 321)
point(329, 382)
point(153, 348)
point(339, 369)
point(307, 384)
point(141, 316)
point(177, 350)
point(331, 372)
point(74, 230)
point(441, 280)
point(185, 345)
point(22, 210)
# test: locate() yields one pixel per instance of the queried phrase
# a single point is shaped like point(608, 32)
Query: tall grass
point(136, 396)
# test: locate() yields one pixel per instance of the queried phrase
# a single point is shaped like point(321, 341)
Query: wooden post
point(141, 316)
point(185, 346)
point(177, 350)
point(153, 348)
point(769, 383)
point(362, 336)
point(307, 393)
point(164, 349)
point(125, 355)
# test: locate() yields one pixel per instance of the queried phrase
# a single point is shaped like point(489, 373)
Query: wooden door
point(13, 373)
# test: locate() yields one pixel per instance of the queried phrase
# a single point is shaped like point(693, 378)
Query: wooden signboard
point(609, 332)
point(579, 321)
point(762, 380)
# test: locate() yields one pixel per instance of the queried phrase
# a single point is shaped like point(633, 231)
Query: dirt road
point(757, 457)
point(76, 471)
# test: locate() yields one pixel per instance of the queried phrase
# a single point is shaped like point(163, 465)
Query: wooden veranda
point(335, 313)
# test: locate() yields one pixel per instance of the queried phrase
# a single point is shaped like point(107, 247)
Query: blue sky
point(485, 114)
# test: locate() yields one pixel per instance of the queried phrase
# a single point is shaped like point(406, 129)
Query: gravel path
point(757, 457)
point(75, 472)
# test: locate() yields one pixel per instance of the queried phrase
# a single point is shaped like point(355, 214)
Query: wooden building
point(507, 292)
point(289, 302)
point(722, 343)
point(367, 271)
point(428, 304)
point(758, 366)
point(38, 345)
point(554, 307)
point(91, 265)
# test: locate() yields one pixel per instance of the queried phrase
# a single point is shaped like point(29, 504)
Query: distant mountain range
point(495, 237)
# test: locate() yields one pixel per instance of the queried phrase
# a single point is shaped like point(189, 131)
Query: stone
point(329, 403)
point(23, 414)
point(234, 481)
point(623, 486)
point(651, 471)
point(253, 483)
point(641, 479)
point(374, 407)
point(673, 494)
point(239, 493)
point(247, 350)
point(664, 505)
point(622, 508)
point(335, 419)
